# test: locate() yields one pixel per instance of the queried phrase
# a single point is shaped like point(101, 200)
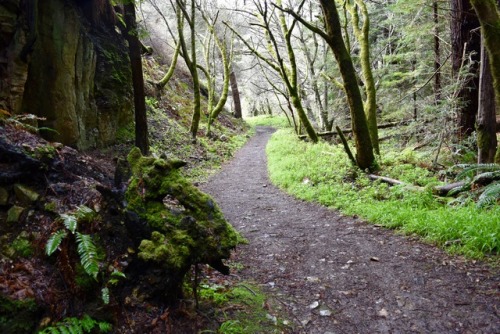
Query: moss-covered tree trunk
point(189, 56)
point(290, 77)
point(364, 149)
point(226, 56)
point(489, 17)
point(362, 34)
point(465, 41)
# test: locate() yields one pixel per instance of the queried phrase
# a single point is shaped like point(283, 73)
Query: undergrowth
point(170, 138)
point(322, 173)
point(240, 309)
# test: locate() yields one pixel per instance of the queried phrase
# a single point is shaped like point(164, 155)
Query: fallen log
point(445, 189)
point(336, 133)
point(438, 190)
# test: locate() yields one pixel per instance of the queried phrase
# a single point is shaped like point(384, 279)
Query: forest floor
point(328, 273)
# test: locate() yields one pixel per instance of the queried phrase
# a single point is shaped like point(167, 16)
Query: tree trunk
point(437, 54)
point(489, 16)
point(486, 118)
point(236, 95)
point(465, 42)
point(364, 149)
point(141, 123)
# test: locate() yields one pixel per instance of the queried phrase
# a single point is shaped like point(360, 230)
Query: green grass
point(322, 173)
point(267, 120)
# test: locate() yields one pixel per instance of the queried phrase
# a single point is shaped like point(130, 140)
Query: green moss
point(189, 227)
point(50, 207)
point(45, 152)
point(173, 252)
point(22, 245)
point(125, 133)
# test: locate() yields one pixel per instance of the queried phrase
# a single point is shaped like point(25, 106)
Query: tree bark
point(141, 123)
point(486, 118)
point(465, 41)
point(236, 95)
point(489, 16)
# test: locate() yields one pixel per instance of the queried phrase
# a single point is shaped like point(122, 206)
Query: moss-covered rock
point(188, 226)
point(25, 194)
point(14, 214)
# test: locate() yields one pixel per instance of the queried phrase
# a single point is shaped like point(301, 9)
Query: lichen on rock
point(188, 227)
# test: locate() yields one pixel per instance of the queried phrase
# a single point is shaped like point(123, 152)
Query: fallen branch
point(346, 147)
point(388, 180)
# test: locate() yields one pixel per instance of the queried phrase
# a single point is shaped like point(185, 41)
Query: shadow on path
point(336, 274)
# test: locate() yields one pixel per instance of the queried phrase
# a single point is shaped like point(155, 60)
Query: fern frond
point(469, 170)
point(104, 326)
point(54, 242)
point(117, 273)
point(78, 326)
point(87, 323)
point(88, 254)
point(105, 295)
point(84, 214)
point(70, 222)
point(490, 195)
point(486, 177)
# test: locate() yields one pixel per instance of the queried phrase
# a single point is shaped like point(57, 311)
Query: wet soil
point(335, 274)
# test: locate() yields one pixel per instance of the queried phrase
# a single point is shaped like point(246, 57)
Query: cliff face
point(65, 62)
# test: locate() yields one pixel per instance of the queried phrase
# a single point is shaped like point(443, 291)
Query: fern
point(490, 195)
point(105, 295)
point(54, 242)
point(88, 254)
point(469, 170)
point(70, 222)
point(76, 326)
point(84, 214)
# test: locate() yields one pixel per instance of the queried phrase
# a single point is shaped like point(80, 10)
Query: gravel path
point(337, 274)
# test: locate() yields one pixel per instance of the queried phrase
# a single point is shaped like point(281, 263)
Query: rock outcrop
point(65, 62)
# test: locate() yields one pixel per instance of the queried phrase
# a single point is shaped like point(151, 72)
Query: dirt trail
point(336, 274)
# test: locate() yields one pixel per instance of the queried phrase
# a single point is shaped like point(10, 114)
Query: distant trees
point(280, 55)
